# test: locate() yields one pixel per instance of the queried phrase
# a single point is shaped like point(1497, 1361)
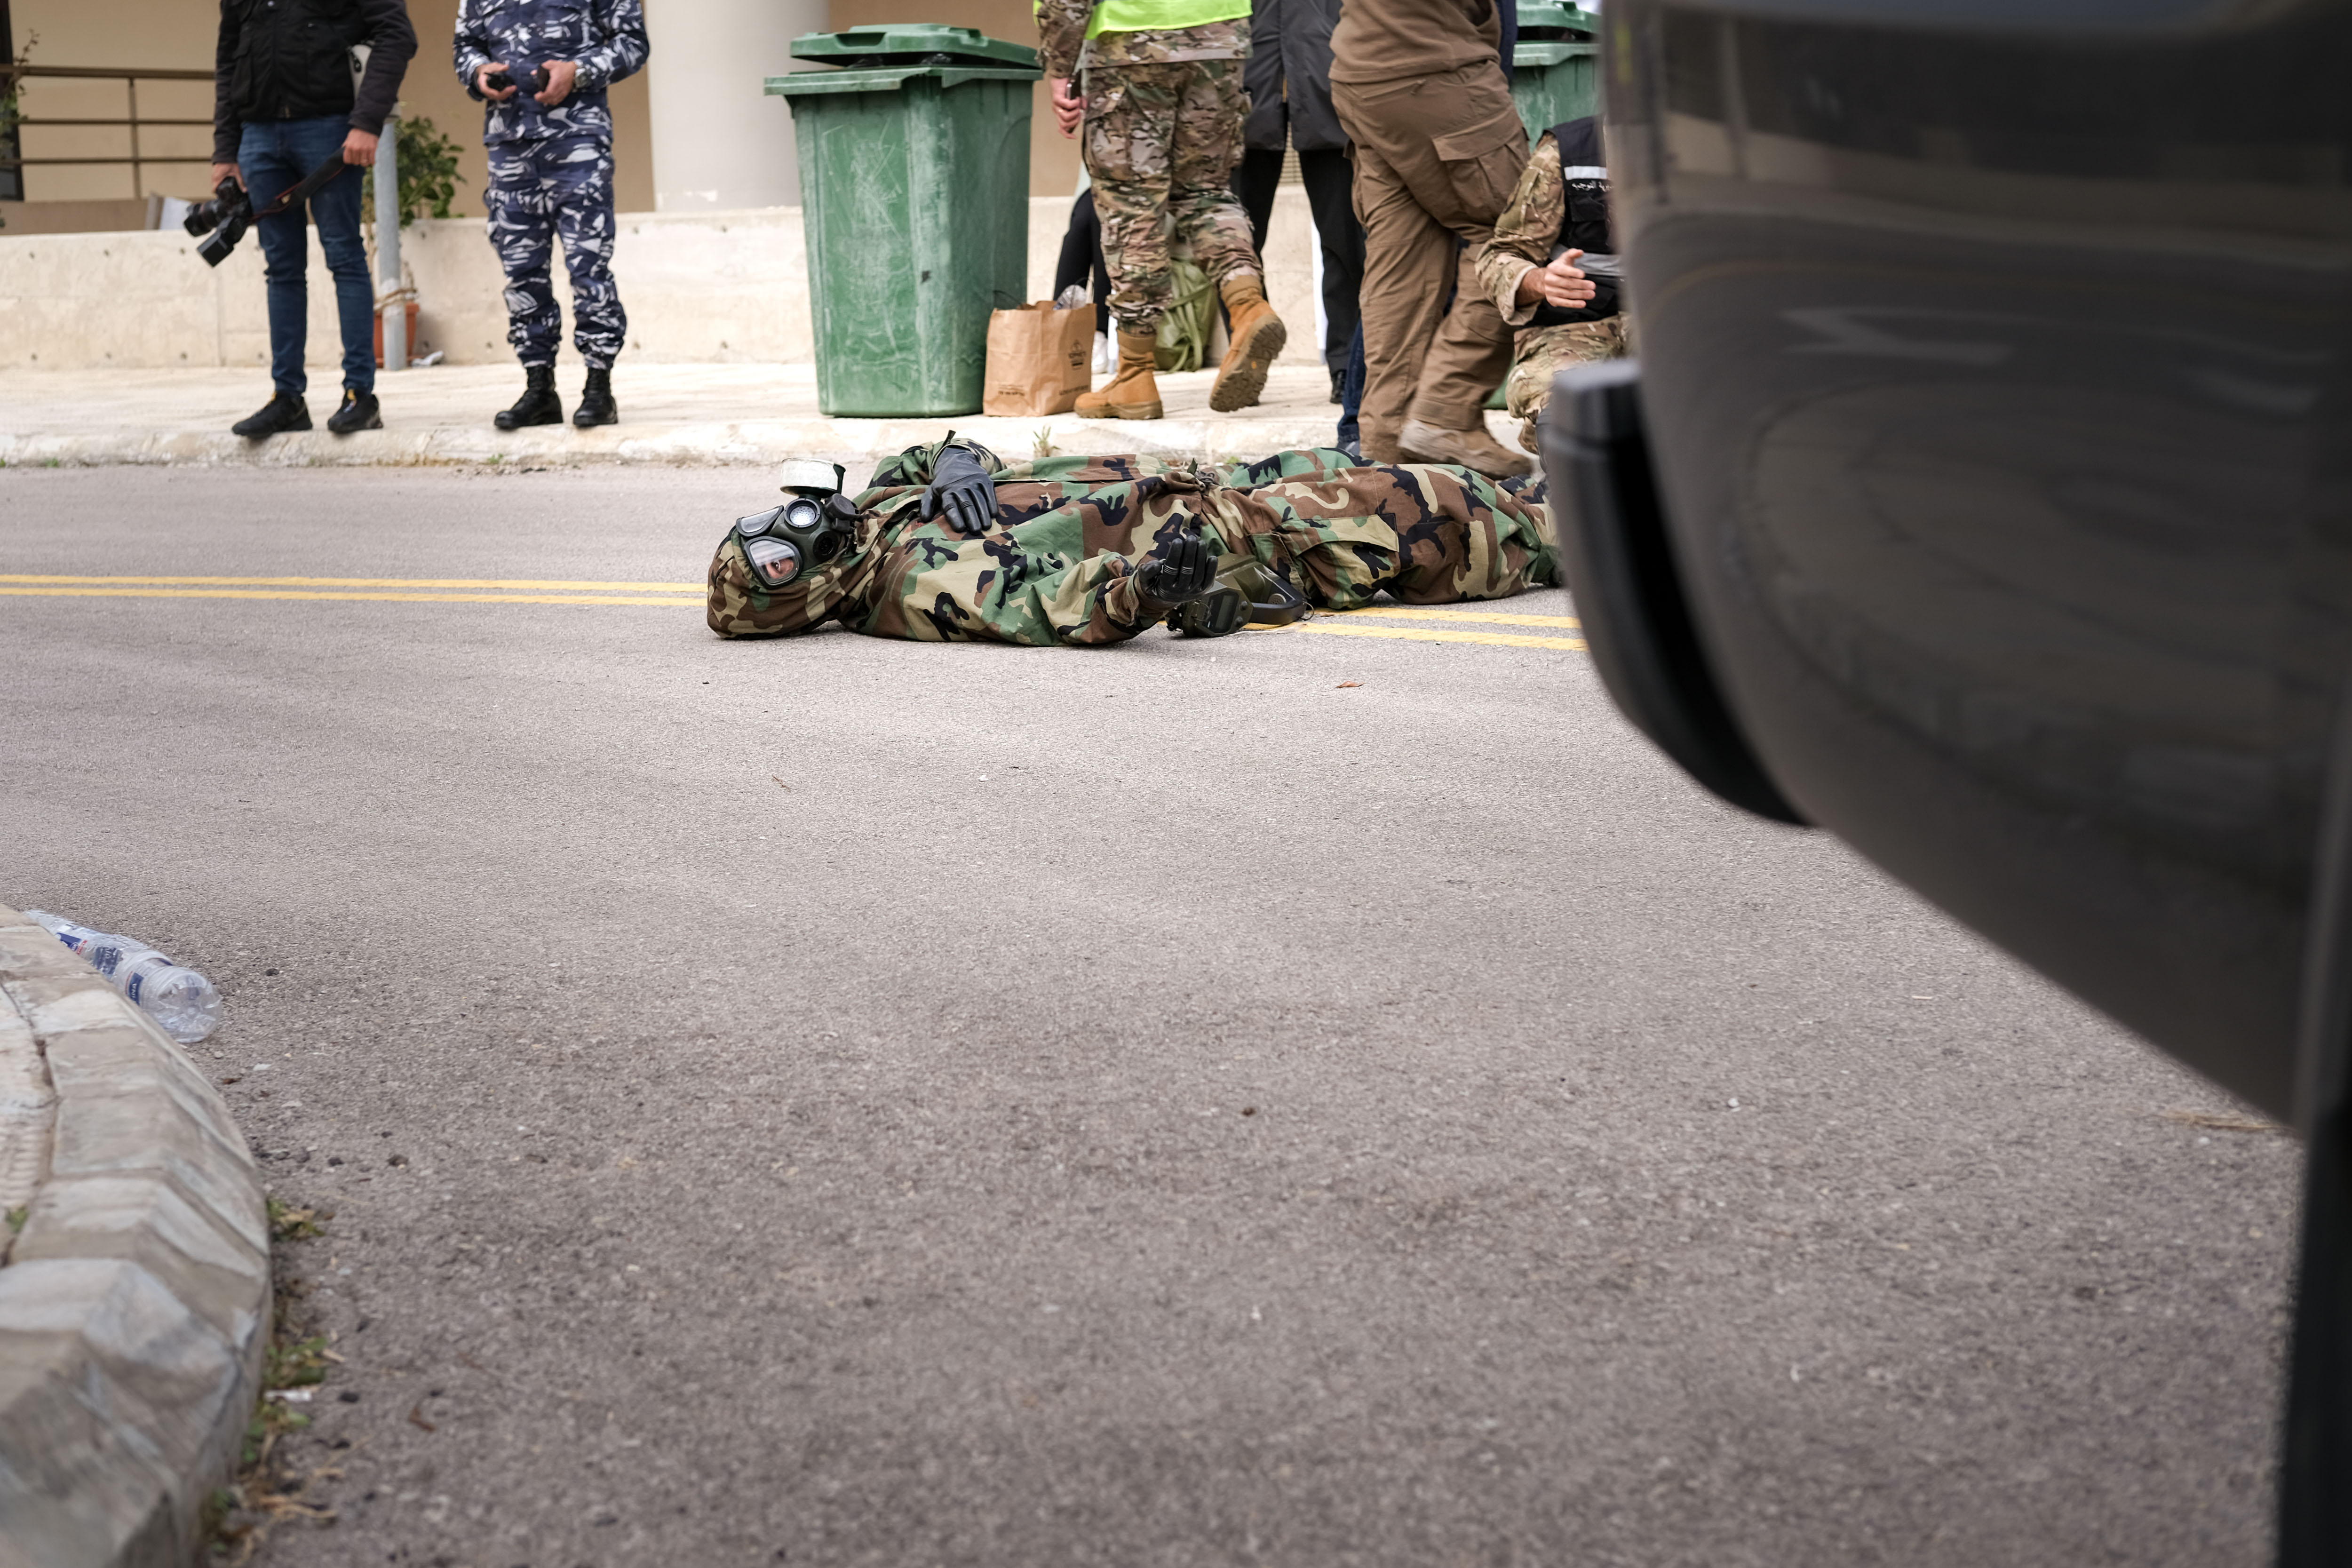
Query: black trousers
point(1331, 185)
point(1082, 258)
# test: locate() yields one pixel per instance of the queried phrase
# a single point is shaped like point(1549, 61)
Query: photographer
point(283, 103)
point(542, 66)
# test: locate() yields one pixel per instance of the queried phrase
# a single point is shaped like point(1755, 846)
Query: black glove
point(961, 492)
point(1180, 571)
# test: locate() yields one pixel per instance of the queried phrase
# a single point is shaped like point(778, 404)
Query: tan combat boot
point(1133, 394)
point(1422, 442)
point(1258, 335)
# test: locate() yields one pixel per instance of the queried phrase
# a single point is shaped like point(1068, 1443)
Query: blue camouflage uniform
point(551, 169)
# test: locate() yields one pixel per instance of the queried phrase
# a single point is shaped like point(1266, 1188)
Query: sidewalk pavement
point(684, 415)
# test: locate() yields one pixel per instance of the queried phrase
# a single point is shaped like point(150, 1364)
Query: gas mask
point(811, 528)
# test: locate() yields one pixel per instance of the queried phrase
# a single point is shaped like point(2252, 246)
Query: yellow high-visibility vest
point(1161, 16)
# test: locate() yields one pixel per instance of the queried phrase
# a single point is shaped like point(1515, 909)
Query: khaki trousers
point(1437, 158)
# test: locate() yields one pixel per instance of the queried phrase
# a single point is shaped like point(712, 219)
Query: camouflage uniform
point(1061, 567)
point(551, 169)
point(1163, 133)
point(1525, 238)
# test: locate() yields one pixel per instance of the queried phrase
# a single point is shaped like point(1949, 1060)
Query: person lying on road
point(949, 544)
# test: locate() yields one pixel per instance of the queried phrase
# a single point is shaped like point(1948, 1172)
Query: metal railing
point(132, 119)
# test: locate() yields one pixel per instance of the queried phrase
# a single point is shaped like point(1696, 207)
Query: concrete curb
point(757, 441)
point(134, 1303)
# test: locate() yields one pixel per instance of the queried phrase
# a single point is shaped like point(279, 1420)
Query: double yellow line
point(1378, 621)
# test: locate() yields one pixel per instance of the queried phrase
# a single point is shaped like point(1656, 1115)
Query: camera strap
point(309, 185)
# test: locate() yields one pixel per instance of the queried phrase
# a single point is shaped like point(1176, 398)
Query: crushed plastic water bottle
point(181, 1000)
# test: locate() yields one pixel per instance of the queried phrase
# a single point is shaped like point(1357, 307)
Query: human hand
point(961, 493)
point(482, 83)
point(1069, 105)
point(228, 172)
point(1565, 285)
point(1179, 571)
point(560, 77)
point(359, 147)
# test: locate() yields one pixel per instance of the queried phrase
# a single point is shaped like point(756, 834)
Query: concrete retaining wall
point(727, 287)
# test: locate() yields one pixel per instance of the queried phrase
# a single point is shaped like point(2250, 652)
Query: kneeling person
point(949, 544)
point(1551, 269)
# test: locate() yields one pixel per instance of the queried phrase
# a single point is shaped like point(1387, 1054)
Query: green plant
point(12, 108)
point(428, 172)
point(16, 1218)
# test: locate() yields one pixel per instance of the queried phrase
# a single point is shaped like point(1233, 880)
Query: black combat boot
point(538, 404)
point(596, 405)
point(284, 411)
point(359, 412)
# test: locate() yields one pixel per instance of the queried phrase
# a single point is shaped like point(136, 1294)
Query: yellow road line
point(1415, 634)
point(1431, 613)
point(368, 583)
point(673, 603)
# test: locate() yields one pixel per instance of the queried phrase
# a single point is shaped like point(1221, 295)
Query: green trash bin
point(914, 161)
point(1555, 70)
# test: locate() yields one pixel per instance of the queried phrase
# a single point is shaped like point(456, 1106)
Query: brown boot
point(1133, 394)
point(1258, 335)
point(1422, 442)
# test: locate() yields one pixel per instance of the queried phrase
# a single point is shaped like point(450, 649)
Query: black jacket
point(290, 59)
point(1288, 74)
point(1584, 220)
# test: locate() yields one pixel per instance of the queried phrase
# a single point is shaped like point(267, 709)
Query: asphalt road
point(1299, 1099)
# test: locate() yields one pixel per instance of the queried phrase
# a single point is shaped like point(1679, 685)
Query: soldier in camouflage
point(1558, 216)
point(1068, 556)
point(1158, 93)
point(550, 152)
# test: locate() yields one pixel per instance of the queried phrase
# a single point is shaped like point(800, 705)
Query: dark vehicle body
point(1997, 507)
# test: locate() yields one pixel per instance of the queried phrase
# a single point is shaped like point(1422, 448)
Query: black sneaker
point(1339, 387)
point(359, 412)
point(284, 411)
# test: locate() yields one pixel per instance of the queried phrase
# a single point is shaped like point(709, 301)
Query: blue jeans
point(274, 155)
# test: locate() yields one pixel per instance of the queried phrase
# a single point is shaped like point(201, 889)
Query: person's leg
point(1255, 179)
point(1205, 147)
point(336, 211)
point(1328, 187)
point(522, 232)
point(1350, 435)
point(268, 166)
point(1407, 259)
point(1131, 122)
point(1078, 244)
point(581, 188)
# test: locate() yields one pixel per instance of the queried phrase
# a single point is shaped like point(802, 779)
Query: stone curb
point(757, 441)
point(134, 1303)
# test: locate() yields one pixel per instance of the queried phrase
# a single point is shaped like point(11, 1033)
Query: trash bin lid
point(1549, 16)
point(911, 44)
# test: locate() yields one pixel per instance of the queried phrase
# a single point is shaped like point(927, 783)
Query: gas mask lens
point(774, 561)
point(759, 523)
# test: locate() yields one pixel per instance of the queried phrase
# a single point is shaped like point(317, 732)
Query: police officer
point(542, 66)
point(1157, 88)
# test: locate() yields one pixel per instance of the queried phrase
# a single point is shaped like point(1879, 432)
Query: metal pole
point(387, 247)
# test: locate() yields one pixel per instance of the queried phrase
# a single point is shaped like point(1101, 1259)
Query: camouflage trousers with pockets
point(540, 192)
point(1160, 142)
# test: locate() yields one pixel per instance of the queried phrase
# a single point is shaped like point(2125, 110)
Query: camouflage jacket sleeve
point(618, 27)
point(1062, 35)
point(936, 586)
point(913, 466)
point(1526, 233)
point(741, 607)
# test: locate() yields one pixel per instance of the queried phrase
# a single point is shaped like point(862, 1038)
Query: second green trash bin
point(1555, 75)
point(914, 161)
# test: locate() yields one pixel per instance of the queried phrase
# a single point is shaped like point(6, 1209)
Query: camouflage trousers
point(1542, 352)
point(539, 192)
point(1160, 142)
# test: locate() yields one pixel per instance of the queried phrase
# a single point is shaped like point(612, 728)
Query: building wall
point(1053, 158)
point(180, 35)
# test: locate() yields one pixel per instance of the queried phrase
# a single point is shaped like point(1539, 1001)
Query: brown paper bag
point(1039, 359)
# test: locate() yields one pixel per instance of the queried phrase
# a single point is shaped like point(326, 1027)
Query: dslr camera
point(221, 222)
point(533, 83)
